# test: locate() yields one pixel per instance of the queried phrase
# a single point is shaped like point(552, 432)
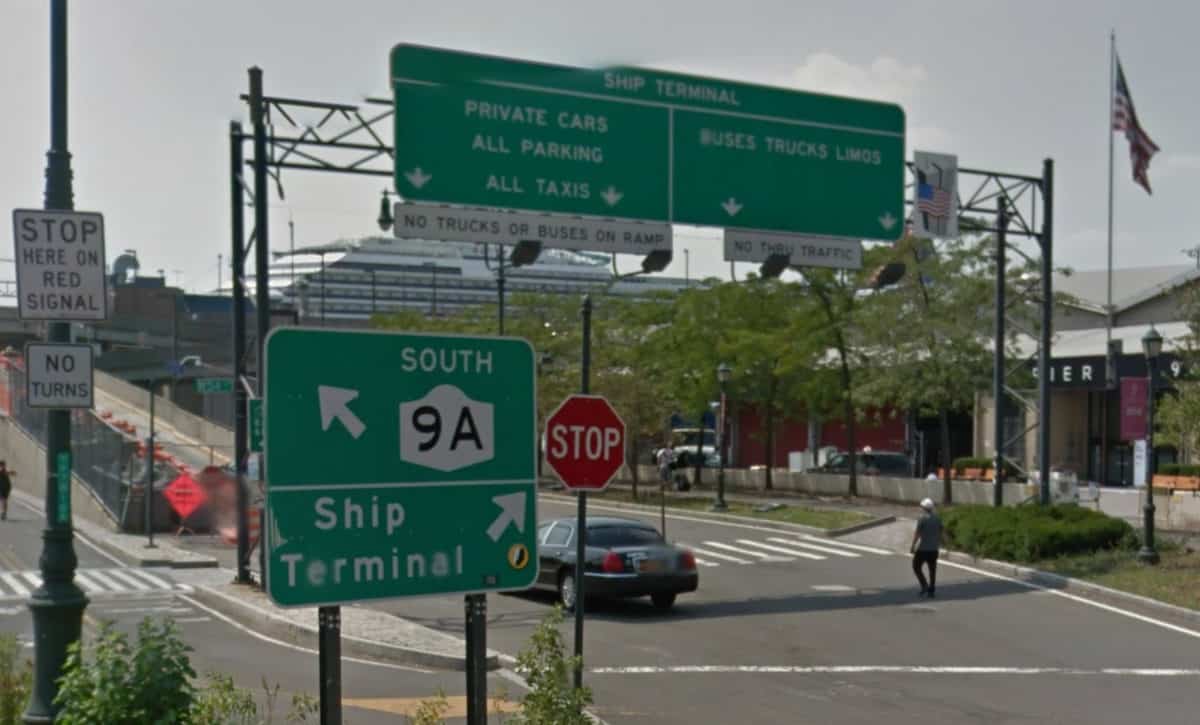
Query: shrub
point(552, 698)
point(1030, 533)
point(1179, 469)
point(123, 685)
point(16, 680)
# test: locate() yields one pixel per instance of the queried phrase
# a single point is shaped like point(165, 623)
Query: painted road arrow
point(512, 511)
point(611, 196)
point(731, 206)
point(335, 404)
point(417, 178)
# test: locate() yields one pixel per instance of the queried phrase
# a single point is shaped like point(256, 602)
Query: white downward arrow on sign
point(611, 196)
point(731, 206)
point(887, 221)
point(335, 404)
point(417, 178)
point(512, 511)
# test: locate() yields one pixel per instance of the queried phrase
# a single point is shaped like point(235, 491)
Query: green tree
point(1177, 417)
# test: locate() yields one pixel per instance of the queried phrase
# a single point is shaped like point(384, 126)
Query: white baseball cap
point(927, 504)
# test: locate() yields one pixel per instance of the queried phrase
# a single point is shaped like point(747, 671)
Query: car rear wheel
point(566, 590)
point(663, 600)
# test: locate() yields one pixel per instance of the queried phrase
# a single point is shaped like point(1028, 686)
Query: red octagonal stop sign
point(585, 442)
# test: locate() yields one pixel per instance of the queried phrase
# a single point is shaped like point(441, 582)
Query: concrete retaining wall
point(189, 424)
point(27, 457)
point(901, 490)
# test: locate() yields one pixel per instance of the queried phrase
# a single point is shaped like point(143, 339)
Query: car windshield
point(607, 537)
point(687, 438)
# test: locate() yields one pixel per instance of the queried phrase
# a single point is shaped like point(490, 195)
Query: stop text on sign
point(582, 441)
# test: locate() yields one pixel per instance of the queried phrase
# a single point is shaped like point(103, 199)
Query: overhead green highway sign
point(641, 144)
point(398, 465)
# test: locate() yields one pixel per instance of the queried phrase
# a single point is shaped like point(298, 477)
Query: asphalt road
point(845, 639)
point(373, 693)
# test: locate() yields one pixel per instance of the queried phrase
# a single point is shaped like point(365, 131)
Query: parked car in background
point(625, 558)
point(870, 463)
point(684, 441)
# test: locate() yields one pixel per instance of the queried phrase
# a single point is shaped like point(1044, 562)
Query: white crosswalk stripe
point(713, 554)
point(759, 554)
point(814, 547)
point(781, 550)
point(784, 548)
point(113, 581)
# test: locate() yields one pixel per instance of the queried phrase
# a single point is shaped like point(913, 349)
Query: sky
point(155, 83)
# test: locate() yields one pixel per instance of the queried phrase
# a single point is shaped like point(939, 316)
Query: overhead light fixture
point(656, 261)
point(525, 253)
point(774, 265)
point(385, 213)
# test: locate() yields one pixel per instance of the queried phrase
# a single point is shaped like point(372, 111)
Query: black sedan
point(625, 558)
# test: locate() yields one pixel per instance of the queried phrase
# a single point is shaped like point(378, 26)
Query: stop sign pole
point(585, 311)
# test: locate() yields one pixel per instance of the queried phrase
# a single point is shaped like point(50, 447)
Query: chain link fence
point(105, 459)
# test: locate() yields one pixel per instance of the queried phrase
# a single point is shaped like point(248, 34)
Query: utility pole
point(57, 605)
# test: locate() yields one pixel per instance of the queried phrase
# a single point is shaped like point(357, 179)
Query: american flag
point(1124, 118)
point(933, 200)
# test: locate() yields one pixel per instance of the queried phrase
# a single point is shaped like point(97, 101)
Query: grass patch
point(817, 518)
point(1175, 580)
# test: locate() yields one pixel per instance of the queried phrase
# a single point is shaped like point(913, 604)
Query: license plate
point(650, 566)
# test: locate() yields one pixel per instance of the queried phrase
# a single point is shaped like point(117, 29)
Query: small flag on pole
point(1124, 118)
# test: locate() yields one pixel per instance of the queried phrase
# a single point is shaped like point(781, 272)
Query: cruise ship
point(349, 280)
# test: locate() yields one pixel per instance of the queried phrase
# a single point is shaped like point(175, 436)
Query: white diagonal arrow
point(512, 511)
point(887, 221)
point(731, 206)
point(335, 404)
point(611, 196)
point(417, 178)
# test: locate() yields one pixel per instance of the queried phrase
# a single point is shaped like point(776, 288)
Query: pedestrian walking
point(666, 463)
point(5, 489)
point(927, 540)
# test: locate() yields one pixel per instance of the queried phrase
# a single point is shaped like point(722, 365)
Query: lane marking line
point(136, 584)
point(78, 536)
point(106, 581)
point(297, 648)
point(89, 586)
point(15, 584)
point(814, 547)
point(847, 545)
point(702, 562)
point(714, 554)
point(157, 582)
point(1098, 605)
point(781, 550)
point(894, 669)
point(833, 588)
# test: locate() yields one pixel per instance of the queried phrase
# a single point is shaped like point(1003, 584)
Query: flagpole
point(1112, 81)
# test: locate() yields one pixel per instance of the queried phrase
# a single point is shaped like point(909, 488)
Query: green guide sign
point(398, 465)
point(641, 144)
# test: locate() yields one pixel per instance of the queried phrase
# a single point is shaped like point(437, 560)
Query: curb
point(834, 533)
point(194, 561)
point(1047, 579)
point(709, 516)
point(280, 627)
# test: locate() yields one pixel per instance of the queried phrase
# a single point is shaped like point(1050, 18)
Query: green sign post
point(398, 465)
point(206, 386)
point(641, 144)
point(254, 405)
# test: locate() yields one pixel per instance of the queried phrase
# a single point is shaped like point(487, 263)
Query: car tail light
point(613, 563)
point(687, 561)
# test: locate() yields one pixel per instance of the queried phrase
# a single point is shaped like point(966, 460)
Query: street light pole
point(1151, 346)
point(724, 372)
point(57, 605)
point(148, 486)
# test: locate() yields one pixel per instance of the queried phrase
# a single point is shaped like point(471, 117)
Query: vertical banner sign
point(63, 478)
point(1133, 408)
point(1140, 458)
point(398, 465)
point(935, 195)
point(256, 424)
